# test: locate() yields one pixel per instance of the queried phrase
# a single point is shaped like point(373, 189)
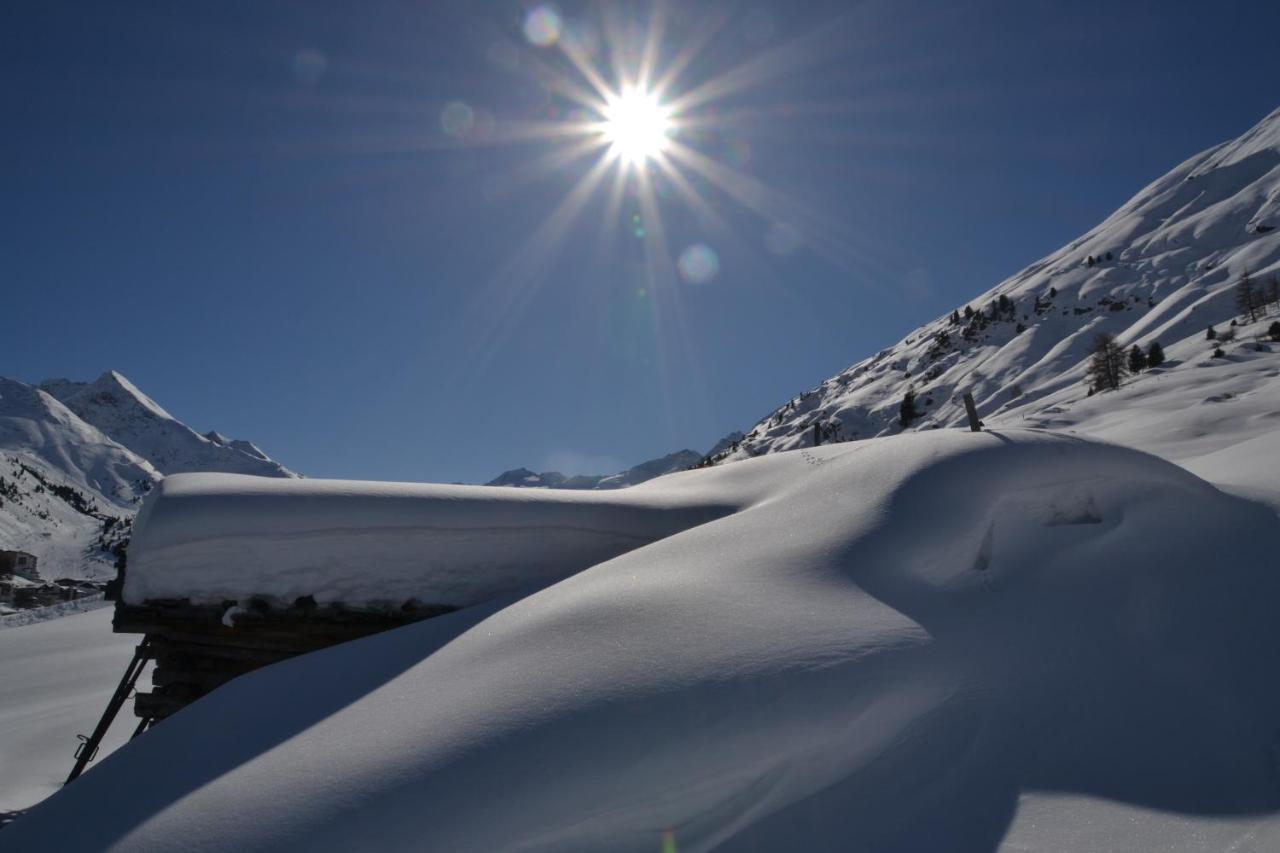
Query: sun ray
point(504, 300)
point(819, 231)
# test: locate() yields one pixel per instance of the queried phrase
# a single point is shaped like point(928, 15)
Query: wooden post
point(971, 410)
point(817, 435)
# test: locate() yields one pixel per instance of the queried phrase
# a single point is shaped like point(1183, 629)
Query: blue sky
point(270, 218)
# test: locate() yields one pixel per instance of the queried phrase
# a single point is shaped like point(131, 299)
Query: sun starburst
point(636, 125)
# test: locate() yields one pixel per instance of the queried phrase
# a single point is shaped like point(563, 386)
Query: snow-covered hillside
point(1162, 268)
point(114, 405)
point(70, 470)
point(890, 645)
point(645, 471)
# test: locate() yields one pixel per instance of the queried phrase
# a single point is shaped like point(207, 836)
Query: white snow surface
point(883, 647)
point(56, 678)
point(223, 537)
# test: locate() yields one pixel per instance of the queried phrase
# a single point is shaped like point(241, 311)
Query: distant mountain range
point(76, 458)
point(524, 478)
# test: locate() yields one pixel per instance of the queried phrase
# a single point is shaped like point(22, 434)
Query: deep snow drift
point(883, 646)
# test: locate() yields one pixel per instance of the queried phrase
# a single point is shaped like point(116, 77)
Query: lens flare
point(636, 125)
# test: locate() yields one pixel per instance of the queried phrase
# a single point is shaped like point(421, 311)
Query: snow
point(57, 677)
point(117, 407)
point(36, 424)
point(888, 642)
point(100, 444)
point(224, 537)
point(1018, 640)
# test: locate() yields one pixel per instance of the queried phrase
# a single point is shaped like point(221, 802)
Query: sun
point(636, 125)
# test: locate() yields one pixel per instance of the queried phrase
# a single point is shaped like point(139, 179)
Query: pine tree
point(1274, 330)
point(1210, 334)
point(1155, 354)
point(1137, 360)
point(907, 411)
point(1106, 363)
point(1273, 292)
point(955, 318)
point(1245, 297)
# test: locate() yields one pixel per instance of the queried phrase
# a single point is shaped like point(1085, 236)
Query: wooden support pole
point(971, 410)
point(817, 435)
point(88, 750)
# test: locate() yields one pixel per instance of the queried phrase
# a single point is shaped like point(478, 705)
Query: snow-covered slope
point(1164, 268)
point(34, 424)
point(115, 406)
point(645, 471)
point(883, 647)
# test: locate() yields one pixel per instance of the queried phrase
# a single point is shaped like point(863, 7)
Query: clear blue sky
point(263, 214)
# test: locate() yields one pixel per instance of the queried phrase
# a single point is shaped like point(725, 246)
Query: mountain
point(63, 484)
point(1161, 268)
point(115, 405)
point(524, 478)
point(76, 459)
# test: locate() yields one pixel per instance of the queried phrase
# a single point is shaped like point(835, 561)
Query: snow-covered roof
point(212, 538)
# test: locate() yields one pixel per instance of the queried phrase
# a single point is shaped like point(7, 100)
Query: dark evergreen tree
point(955, 318)
point(1053, 291)
point(1210, 334)
point(1137, 360)
point(1245, 294)
point(1155, 354)
point(907, 411)
point(968, 311)
point(1274, 330)
point(1106, 363)
point(1108, 256)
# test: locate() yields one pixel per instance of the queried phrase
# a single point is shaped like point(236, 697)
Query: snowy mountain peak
point(118, 408)
point(38, 427)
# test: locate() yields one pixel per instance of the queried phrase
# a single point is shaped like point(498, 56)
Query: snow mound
point(880, 649)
